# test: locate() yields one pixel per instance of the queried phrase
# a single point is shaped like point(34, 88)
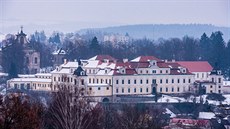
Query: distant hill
point(157, 31)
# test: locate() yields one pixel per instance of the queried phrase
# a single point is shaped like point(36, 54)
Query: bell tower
point(21, 37)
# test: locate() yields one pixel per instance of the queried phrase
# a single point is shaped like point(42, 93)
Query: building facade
point(104, 76)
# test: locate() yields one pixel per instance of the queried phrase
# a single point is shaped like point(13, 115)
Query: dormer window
point(152, 62)
point(82, 73)
point(218, 72)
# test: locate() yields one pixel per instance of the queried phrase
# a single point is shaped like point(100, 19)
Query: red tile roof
point(193, 122)
point(196, 66)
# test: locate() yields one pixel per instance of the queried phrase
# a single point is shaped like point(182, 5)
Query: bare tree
point(139, 116)
point(18, 111)
point(72, 110)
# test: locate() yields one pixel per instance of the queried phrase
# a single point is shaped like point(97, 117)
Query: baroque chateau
point(105, 77)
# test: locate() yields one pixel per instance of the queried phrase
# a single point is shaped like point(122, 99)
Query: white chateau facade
point(105, 76)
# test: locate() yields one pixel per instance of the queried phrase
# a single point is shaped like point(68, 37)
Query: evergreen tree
point(218, 49)
point(228, 60)
point(94, 46)
point(13, 73)
point(205, 47)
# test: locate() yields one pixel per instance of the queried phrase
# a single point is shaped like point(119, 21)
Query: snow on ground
point(206, 115)
point(170, 99)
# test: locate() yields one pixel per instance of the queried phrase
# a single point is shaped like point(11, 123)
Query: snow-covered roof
point(59, 52)
point(170, 113)
point(31, 80)
point(206, 115)
point(26, 75)
point(43, 74)
point(70, 64)
point(91, 64)
point(3, 74)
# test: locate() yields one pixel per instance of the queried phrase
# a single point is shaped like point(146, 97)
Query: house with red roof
point(208, 78)
point(201, 69)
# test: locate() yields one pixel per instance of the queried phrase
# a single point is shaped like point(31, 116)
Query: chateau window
point(212, 79)
point(183, 80)
point(122, 90)
point(219, 80)
point(89, 80)
point(90, 88)
point(75, 82)
point(35, 60)
point(147, 71)
point(54, 78)
point(107, 88)
point(97, 80)
point(160, 71)
point(122, 81)
point(117, 81)
point(128, 90)
point(93, 80)
point(128, 81)
point(161, 81)
point(106, 81)
point(147, 81)
point(166, 89)
point(15, 86)
point(140, 89)
point(219, 91)
point(140, 71)
point(153, 81)
point(178, 80)
point(101, 80)
point(160, 89)
point(178, 89)
point(109, 81)
point(135, 90)
point(82, 82)
point(210, 91)
point(147, 90)
point(154, 71)
point(189, 80)
point(117, 90)
point(219, 86)
point(211, 86)
point(135, 81)
point(99, 88)
point(166, 71)
point(172, 80)
point(167, 81)
point(172, 89)
point(141, 81)
point(59, 79)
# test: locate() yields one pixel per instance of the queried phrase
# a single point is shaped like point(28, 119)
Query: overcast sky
point(101, 13)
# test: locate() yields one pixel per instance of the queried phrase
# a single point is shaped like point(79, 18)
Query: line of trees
point(72, 110)
point(206, 48)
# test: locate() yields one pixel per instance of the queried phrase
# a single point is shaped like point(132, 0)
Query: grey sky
point(100, 13)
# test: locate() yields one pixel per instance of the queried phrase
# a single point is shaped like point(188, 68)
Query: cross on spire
point(21, 27)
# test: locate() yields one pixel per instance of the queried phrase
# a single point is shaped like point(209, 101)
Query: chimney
point(65, 61)
point(173, 60)
point(166, 60)
point(125, 60)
